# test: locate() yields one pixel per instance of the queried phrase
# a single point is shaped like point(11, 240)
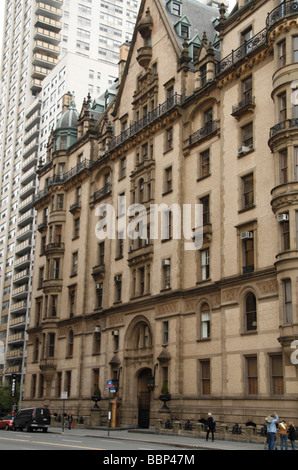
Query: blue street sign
point(110, 383)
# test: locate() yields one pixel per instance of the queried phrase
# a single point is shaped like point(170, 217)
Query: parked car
point(7, 422)
point(32, 418)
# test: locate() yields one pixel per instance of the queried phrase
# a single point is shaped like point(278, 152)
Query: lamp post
point(151, 380)
point(116, 381)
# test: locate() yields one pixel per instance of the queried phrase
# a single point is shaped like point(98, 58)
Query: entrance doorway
point(144, 399)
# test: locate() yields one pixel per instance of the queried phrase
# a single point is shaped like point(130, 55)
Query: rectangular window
point(204, 164)
point(205, 267)
point(166, 271)
point(287, 287)
point(72, 301)
point(247, 191)
point(247, 90)
point(283, 166)
point(295, 49)
point(118, 288)
point(75, 263)
point(282, 107)
point(296, 162)
point(247, 135)
point(282, 54)
point(285, 235)
point(168, 179)
point(252, 375)
point(205, 201)
point(99, 292)
point(165, 332)
point(248, 252)
point(205, 377)
point(52, 345)
point(169, 139)
point(277, 379)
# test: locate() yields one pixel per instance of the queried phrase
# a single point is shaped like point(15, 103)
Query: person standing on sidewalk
point(292, 434)
point(210, 426)
point(283, 432)
point(271, 430)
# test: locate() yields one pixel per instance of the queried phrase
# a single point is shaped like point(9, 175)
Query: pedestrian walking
point(210, 427)
point(292, 434)
point(70, 421)
point(271, 429)
point(283, 433)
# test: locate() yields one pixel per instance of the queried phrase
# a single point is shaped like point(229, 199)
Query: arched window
point(70, 344)
point(250, 312)
point(142, 336)
point(205, 321)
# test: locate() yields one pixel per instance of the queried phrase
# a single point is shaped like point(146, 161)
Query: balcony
point(49, 23)
point(205, 132)
point(102, 193)
point(98, 271)
point(258, 41)
point(284, 10)
point(48, 367)
point(282, 127)
point(54, 248)
point(247, 105)
point(144, 56)
point(137, 126)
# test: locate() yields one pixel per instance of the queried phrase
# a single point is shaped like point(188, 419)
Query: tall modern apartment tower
point(36, 36)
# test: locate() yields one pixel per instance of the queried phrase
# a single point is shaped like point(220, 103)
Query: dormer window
point(183, 27)
point(184, 31)
point(176, 8)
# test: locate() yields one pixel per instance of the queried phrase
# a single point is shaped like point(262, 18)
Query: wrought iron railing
point(203, 132)
point(61, 178)
point(284, 125)
point(175, 100)
point(282, 11)
point(246, 48)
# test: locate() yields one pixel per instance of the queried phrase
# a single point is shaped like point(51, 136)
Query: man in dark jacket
point(210, 426)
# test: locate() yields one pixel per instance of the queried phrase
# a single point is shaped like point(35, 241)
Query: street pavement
point(149, 436)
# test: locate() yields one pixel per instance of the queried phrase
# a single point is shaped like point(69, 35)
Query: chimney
point(124, 49)
point(66, 100)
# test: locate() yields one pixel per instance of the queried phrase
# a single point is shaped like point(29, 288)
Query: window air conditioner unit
point(99, 286)
point(166, 262)
point(97, 329)
point(282, 217)
point(243, 150)
point(115, 333)
point(117, 278)
point(246, 235)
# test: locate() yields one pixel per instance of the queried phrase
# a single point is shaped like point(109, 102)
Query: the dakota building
point(206, 113)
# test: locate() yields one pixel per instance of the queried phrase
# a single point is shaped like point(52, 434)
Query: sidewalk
point(185, 442)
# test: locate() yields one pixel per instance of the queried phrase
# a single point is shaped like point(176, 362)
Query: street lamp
point(117, 380)
point(151, 380)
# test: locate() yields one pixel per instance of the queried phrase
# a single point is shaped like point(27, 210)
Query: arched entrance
point(143, 399)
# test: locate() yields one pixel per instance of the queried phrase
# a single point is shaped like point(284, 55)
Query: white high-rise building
point(36, 36)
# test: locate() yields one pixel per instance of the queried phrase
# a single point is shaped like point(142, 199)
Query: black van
point(32, 418)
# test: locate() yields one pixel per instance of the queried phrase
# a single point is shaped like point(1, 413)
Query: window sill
point(247, 208)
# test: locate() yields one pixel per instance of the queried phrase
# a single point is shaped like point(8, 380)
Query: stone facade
point(192, 123)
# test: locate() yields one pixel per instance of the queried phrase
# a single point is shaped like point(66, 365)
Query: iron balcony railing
point(175, 100)
point(208, 129)
point(281, 11)
point(284, 125)
point(61, 178)
point(246, 48)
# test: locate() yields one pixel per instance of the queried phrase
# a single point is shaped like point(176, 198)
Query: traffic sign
point(110, 383)
point(64, 396)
